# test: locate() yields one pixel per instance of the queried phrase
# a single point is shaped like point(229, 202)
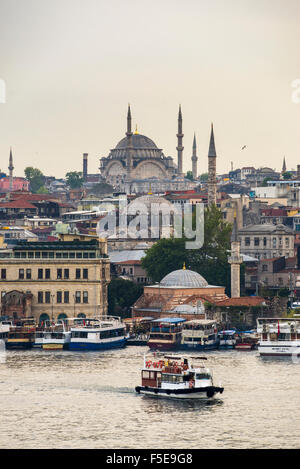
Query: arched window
point(62, 316)
point(81, 315)
point(44, 317)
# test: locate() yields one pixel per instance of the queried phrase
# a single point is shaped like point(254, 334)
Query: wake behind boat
point(177, 377)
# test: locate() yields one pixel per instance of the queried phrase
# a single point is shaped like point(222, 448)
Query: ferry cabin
point(21, 335)
point(98, 335)
point(176, 377)
point(227, 339)
point(199, 334)
point(279, 336)
point(165, 334)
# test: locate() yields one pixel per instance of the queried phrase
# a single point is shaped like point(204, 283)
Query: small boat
point(21, 335)
point(279, 337)
point(199, 334)
point(56, 337)
point(246, 341)
point(227, 339)
point(165, 334)
point(138, 330)
point(178, 377)
point(97, 334)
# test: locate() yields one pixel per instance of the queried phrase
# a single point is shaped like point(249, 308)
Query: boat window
point(146, 374)
point(203, 376)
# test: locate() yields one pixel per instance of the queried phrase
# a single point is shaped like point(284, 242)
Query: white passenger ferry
point(98, 334)
point(199, 334)
point(177, 377)
point(279, 336)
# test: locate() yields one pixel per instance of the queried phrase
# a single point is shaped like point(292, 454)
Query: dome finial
point(136, 131)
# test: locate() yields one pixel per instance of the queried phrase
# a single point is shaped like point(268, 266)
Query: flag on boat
point(278, 328)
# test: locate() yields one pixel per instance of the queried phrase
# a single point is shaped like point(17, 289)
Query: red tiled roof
point(20, 203)
point(242, 301)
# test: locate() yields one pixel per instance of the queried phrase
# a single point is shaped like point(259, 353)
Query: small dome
point(147, 201)
point(184, 278)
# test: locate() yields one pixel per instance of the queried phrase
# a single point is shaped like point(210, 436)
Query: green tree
point(287, 175)
point(189, 175)
point(211, 260)
point(165, 256)
point(122, 294)
point(35, 177)
point(203, 177)
point(265, 181)
point(74, 179)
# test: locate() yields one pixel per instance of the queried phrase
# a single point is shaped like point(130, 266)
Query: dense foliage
point(36, 179)
point(122, 294)
point(211, 260)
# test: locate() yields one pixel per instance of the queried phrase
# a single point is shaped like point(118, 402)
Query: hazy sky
point(72, 66)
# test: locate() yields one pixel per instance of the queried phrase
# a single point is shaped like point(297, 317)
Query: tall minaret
point(235, 260)
point(212, 180)
point(283, 166)
point(11, 168)
point(85, 166)
point(194, 159)
point(129, 149)
point(179, 147)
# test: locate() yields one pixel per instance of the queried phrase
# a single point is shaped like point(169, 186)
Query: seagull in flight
point(243, 148)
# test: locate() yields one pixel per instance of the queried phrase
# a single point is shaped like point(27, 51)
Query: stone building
point(136, 157)
point(266, 241)
point(52, 280)
point(180, 293)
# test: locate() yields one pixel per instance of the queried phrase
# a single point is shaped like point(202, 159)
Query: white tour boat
point(56, 337)
point(177, 377)
point(98, 334)
point(279, 336)
point(199, 334)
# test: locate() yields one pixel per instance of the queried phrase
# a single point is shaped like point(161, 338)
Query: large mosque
point(136, 163)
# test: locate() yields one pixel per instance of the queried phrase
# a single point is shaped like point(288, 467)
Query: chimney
point(85, 166)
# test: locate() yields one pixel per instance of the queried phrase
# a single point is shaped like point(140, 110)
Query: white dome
point(184, 278)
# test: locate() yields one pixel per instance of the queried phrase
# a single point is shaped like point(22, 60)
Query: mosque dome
point(138, 142)
point(184, 278)
point(143, 147)
point(147, 201)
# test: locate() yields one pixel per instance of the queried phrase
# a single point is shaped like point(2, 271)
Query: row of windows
point(103, 334)
point(62, 297)
point(263, 242)
point(46, 274)
point(52, 255)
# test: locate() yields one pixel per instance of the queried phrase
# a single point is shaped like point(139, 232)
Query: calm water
point(87, 400)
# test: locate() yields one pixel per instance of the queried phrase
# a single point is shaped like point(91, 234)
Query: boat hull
point(272, 350)
point(213, 346)
point(191, 393)
point(163, 346)
point(18, 345)
point(94, 346)
point(53, 346)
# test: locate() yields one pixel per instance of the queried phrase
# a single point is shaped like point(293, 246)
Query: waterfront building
point(266, 241)
point(53, 280)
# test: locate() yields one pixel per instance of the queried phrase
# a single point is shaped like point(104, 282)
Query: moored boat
point(56, 337)
point(98, 334)
point(165, 334)
point(178, 377)
point(21, 335)
point(279, 337)
point(199, 334)
point(227, 339)
point(246, 340)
